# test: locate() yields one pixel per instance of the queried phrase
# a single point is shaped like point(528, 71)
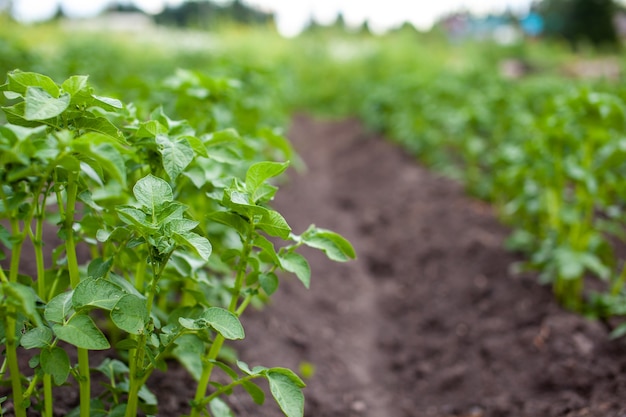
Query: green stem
point(70, 245)
point(14, 369)
point(227, 388)
point(138, 375)
point(84, 376)
point(47, 395)
point(31, 387)
point(16, 250)
point(37, 241)
point(84, 382)
point(167, 350)
point(140, 275)
point(39, 261)
point(205, 378)
point(207, 370)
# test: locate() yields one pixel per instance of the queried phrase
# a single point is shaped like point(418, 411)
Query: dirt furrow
point(429, 321)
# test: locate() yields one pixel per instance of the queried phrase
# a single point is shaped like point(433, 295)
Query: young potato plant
point(177, 224)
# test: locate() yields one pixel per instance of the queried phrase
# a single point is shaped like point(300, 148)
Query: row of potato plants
point(548, 152)
point(181, 238)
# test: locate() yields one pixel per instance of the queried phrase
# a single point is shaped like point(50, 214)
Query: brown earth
point(429, 321)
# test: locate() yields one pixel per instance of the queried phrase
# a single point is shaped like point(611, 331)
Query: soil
point(429, 320)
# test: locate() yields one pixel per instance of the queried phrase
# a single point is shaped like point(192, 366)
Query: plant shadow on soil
point(429, 321)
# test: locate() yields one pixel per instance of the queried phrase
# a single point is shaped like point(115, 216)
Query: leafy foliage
point(176, 218)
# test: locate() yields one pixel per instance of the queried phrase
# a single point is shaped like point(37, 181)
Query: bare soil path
point(428, 321)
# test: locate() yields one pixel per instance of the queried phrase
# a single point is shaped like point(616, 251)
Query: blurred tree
point(312, 26)
point(365, 28)
point(340, 22)
point(207, 14)
point(580, 20)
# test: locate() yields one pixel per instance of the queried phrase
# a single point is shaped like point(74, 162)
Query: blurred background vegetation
point(526, 110)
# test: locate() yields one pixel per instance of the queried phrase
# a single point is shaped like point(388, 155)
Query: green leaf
point(99, 125)
point(274, 224)
point(595, 265)
point(39, 105)
point(197, 243)
point(19, 81)
point(23, 298)
point(224, 322)
point(170, 212)
point(232, 220)
point(197, 146)
point(126, 344)
point(286, 388)
point(82, 332)
point(59, 307)
point(227, 369)
point(257, 370)
point(99, 268)
point(152, 192)
point(269, 283)
point(260, 172)
point(75, 84)
point(264, 193)
point(219, 408)
point(335, 246)
point(112, 368)
point(181, 225)
point(56, 362)
point(267, 247)
point(108, 101)
point(130, 314)
point(96, 293)
point(38, 337)
point(297, 264)
point(569, 263)
point(257, 394)
point(189, 351)
point(222, 137)
point(176, 154)
point(135, 217)
point(97, 147)
point(150, 129)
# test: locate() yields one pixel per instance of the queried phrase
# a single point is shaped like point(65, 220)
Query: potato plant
point(181, 237)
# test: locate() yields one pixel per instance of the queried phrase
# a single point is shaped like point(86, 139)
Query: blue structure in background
point(532, 25)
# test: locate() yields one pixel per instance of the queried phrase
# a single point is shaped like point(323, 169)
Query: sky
point(293, 15)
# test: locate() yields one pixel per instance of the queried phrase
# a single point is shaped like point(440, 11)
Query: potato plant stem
point(84, 377)
point(16, 250)
point(14, 369)
point(39, 261)
point(205, 378)
point(136, 365)
point(41, 290)
point(47, 395)
point(139, 375)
